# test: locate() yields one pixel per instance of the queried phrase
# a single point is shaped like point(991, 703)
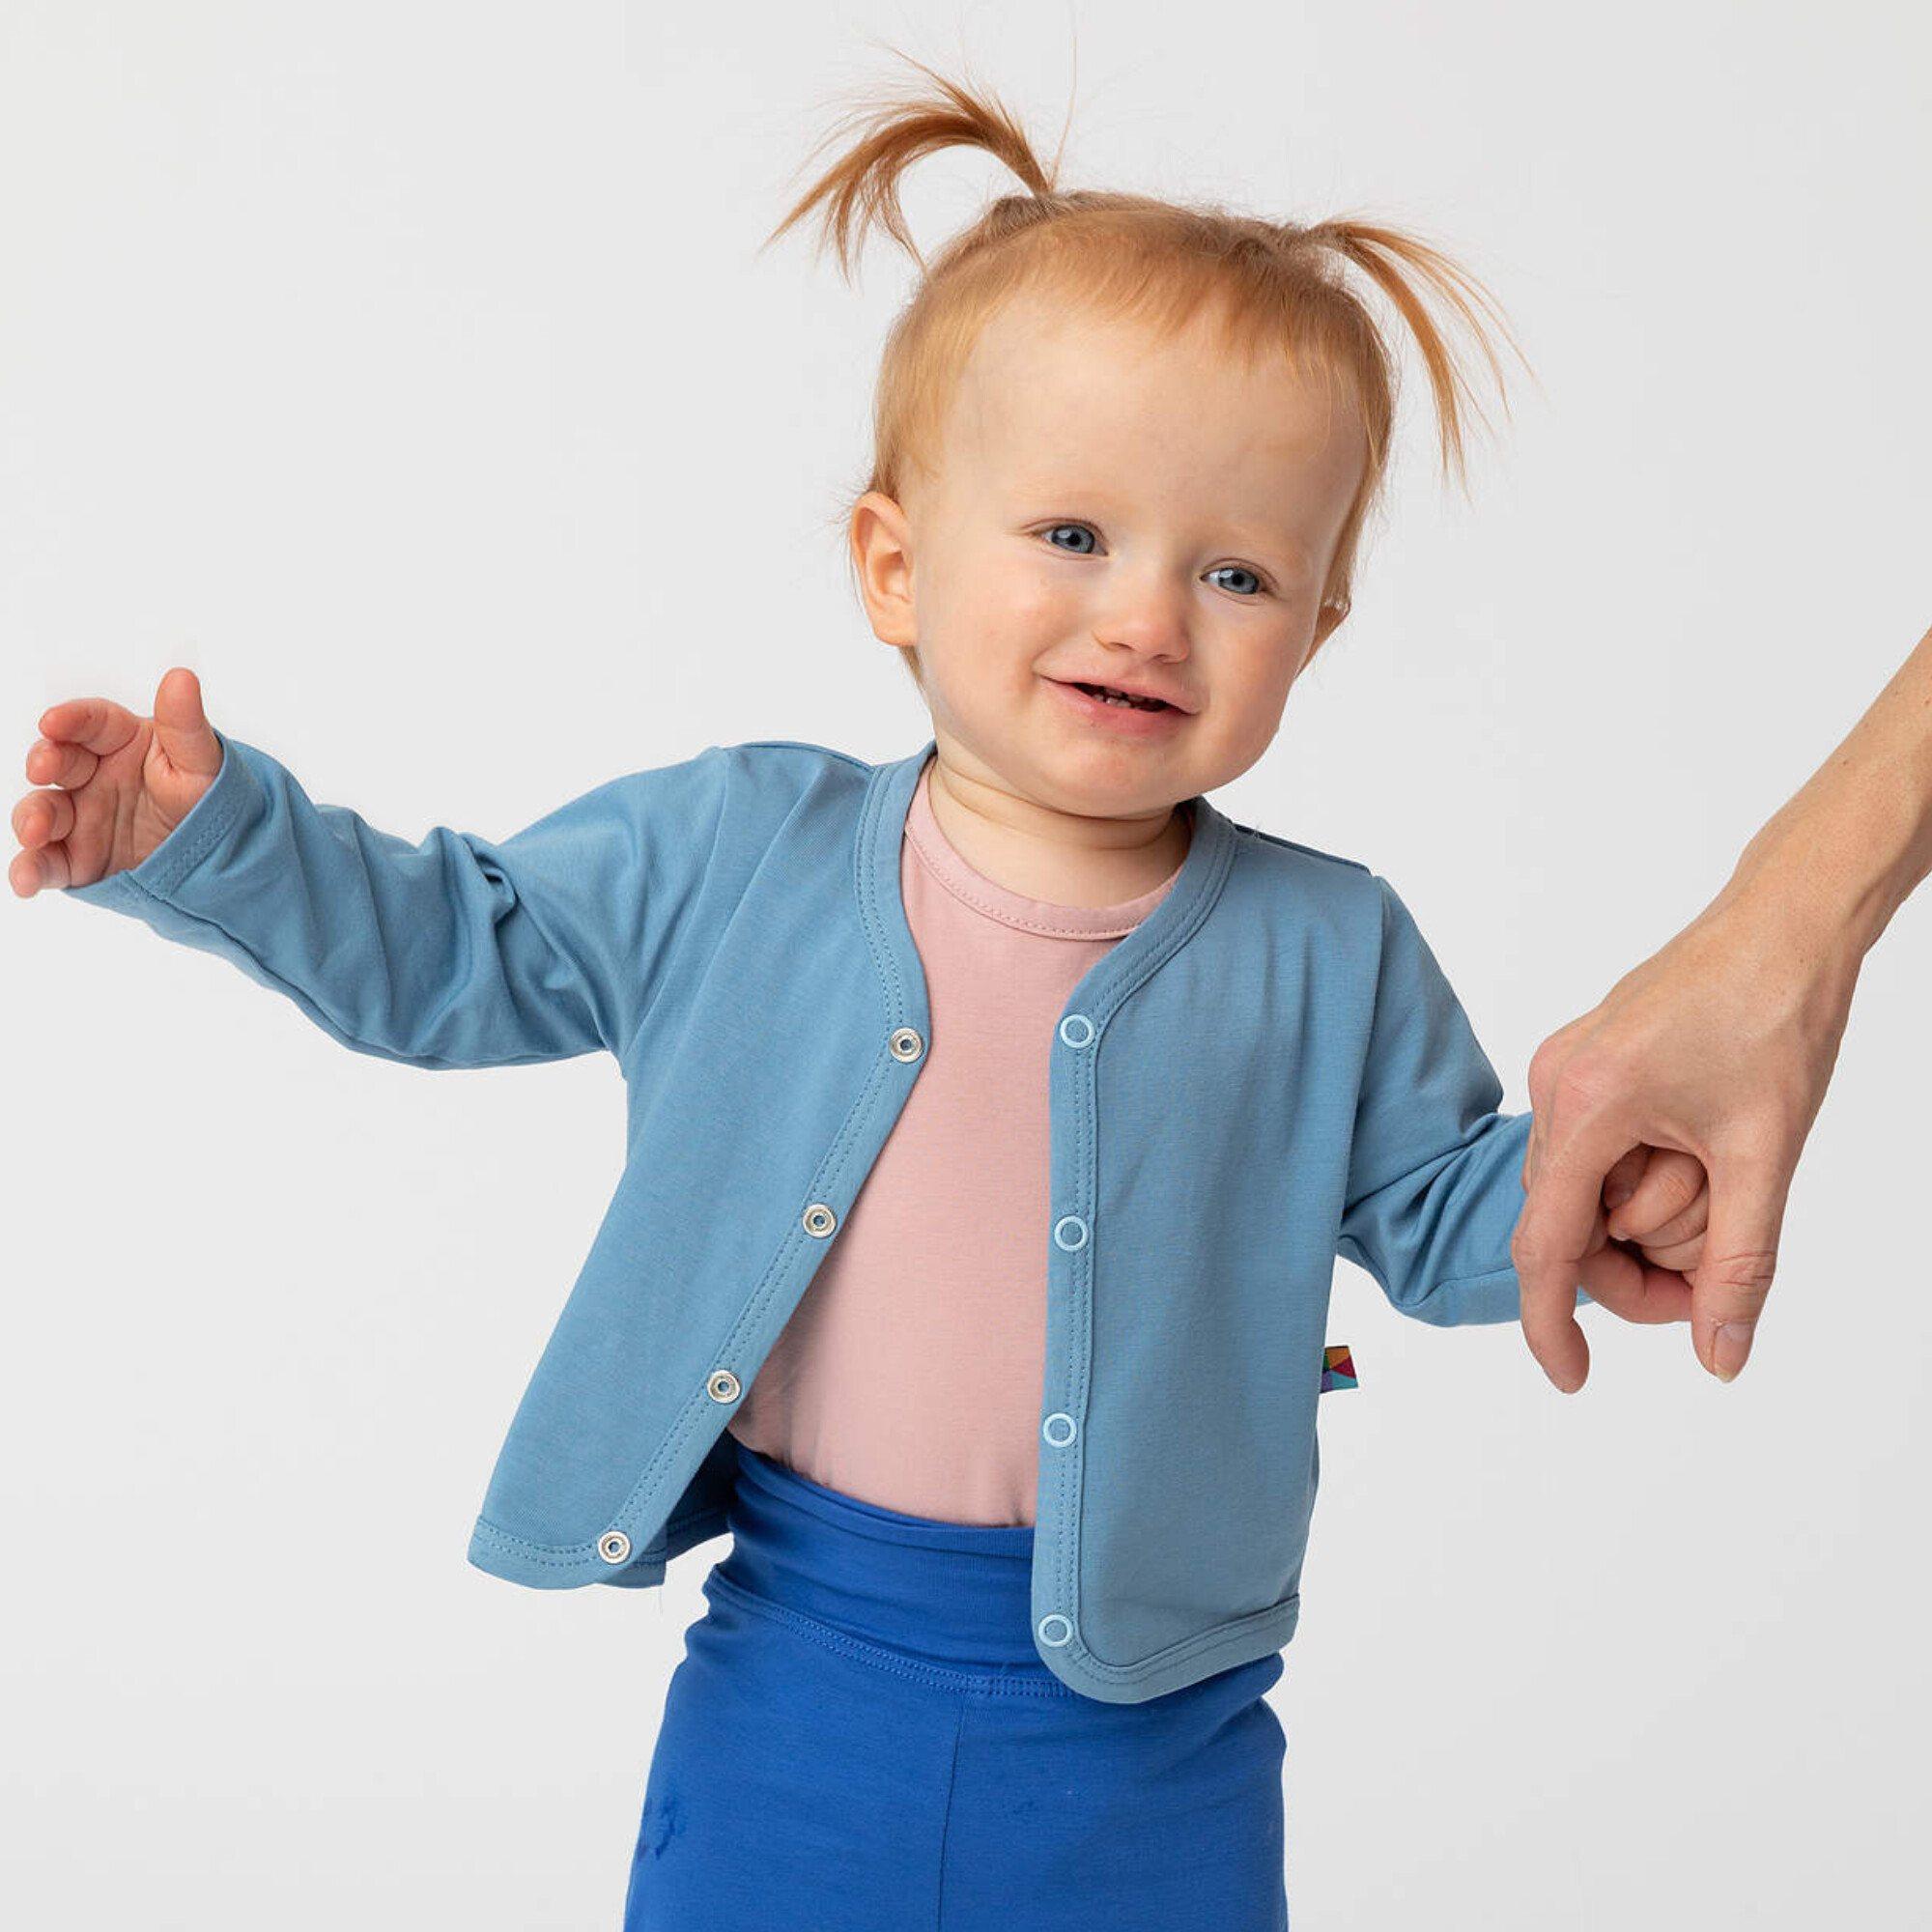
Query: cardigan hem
point(569, 1566)
point(1230, 1645)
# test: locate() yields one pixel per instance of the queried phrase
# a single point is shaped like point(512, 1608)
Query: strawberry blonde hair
point(1281, 285)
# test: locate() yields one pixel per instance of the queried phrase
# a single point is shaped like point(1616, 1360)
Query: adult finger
point(1546, 1069)
point(1553, 1236)
point(1730, 1285)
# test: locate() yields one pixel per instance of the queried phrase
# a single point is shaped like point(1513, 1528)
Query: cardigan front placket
point(1079, 1036)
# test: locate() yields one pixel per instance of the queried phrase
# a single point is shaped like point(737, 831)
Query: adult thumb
point(1730, 1285)
point(181, 730)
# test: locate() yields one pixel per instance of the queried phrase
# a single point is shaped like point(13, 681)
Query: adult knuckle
point(1530, 1250)
point(1748, 1275)
point(1762, 1146)
point(1544, 1062)
point(1591, 1078)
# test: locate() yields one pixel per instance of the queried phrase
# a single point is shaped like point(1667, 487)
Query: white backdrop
point(409, 370)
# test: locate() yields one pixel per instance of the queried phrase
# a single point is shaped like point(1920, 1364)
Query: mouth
point(1121, 716)
point(1106, 693)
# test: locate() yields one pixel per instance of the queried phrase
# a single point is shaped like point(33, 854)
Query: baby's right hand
point(123, 784)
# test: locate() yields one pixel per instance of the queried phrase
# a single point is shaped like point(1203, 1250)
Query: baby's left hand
point(1658, 1199)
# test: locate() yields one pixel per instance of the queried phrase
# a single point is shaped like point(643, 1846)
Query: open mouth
point(1109, 695)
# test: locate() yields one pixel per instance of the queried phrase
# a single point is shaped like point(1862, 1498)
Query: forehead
point(1049, 395)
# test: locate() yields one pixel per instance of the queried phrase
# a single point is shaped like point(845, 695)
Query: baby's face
point(1113, 511)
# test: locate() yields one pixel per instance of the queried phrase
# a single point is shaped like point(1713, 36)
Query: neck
point(1043, 853)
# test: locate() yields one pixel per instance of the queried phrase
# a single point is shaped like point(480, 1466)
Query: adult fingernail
point(1731, 1349)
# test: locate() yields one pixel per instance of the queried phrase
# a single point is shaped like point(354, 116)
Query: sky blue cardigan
point(1269, 1071)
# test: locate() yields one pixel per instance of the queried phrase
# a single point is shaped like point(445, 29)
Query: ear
point(1326, 620)
point(880, 539)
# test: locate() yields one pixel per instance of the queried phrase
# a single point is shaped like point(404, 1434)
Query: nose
point(1144, 611)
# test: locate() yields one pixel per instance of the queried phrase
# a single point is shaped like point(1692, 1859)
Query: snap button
point(1059, 1428)
point(819, 1219)
point(1055, 1631)
point(721, 1386)
point(1069, 1231)
point(905, 1043)
point(614, 1546)
point(1076, 1029)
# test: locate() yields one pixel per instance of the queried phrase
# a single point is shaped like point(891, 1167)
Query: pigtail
point(887, 136)
point(1383, 254)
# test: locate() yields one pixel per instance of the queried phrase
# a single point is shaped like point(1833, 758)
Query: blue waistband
point(954, 1592)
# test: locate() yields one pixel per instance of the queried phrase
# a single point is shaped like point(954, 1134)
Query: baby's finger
point(96, 723)
point(46, 866)
point(182, 735)
point(59, 765)
point(1618, 1280)
point(1688, 1225)
point(1670, 1183)
point(43, 816)
point(1679, 1256)
point(1620, 1182)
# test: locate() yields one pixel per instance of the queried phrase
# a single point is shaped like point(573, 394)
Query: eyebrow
point(1290, 548)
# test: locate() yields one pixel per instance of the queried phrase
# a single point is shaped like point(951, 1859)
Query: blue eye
point(1240, 569)
point(1051, 528)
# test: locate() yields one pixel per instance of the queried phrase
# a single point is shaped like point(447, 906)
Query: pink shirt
point(911, 1371)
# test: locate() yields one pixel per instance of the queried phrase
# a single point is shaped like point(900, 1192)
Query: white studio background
point(410, 371)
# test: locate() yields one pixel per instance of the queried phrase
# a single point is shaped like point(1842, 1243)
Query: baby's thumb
point(181, 731)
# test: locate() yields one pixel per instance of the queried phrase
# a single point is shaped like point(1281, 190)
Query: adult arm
point(1722, 1044)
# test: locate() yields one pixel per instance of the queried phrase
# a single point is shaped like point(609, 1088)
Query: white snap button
point(614, 1546)
point(1069, 1231)
point(1076, 1029)
point(1055, 1631)
point(1059, 1428)
point(819, 1219)
point(905, 1043)
point(722, 1385)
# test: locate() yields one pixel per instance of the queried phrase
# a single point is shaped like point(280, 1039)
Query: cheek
point(999, 597)
point(1259, 671)
point(1017, 587)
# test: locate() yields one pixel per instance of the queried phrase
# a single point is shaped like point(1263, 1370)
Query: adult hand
point(1720, 1046)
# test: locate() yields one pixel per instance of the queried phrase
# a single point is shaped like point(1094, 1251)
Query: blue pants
point(861, 1737)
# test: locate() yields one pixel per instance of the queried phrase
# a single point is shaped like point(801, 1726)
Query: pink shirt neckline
point(1045, 917)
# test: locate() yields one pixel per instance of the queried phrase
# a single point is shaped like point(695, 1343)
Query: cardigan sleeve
point(1435, 1171)
point(454, 952)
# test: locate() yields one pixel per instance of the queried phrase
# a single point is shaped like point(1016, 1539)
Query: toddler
point(997, 1112)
